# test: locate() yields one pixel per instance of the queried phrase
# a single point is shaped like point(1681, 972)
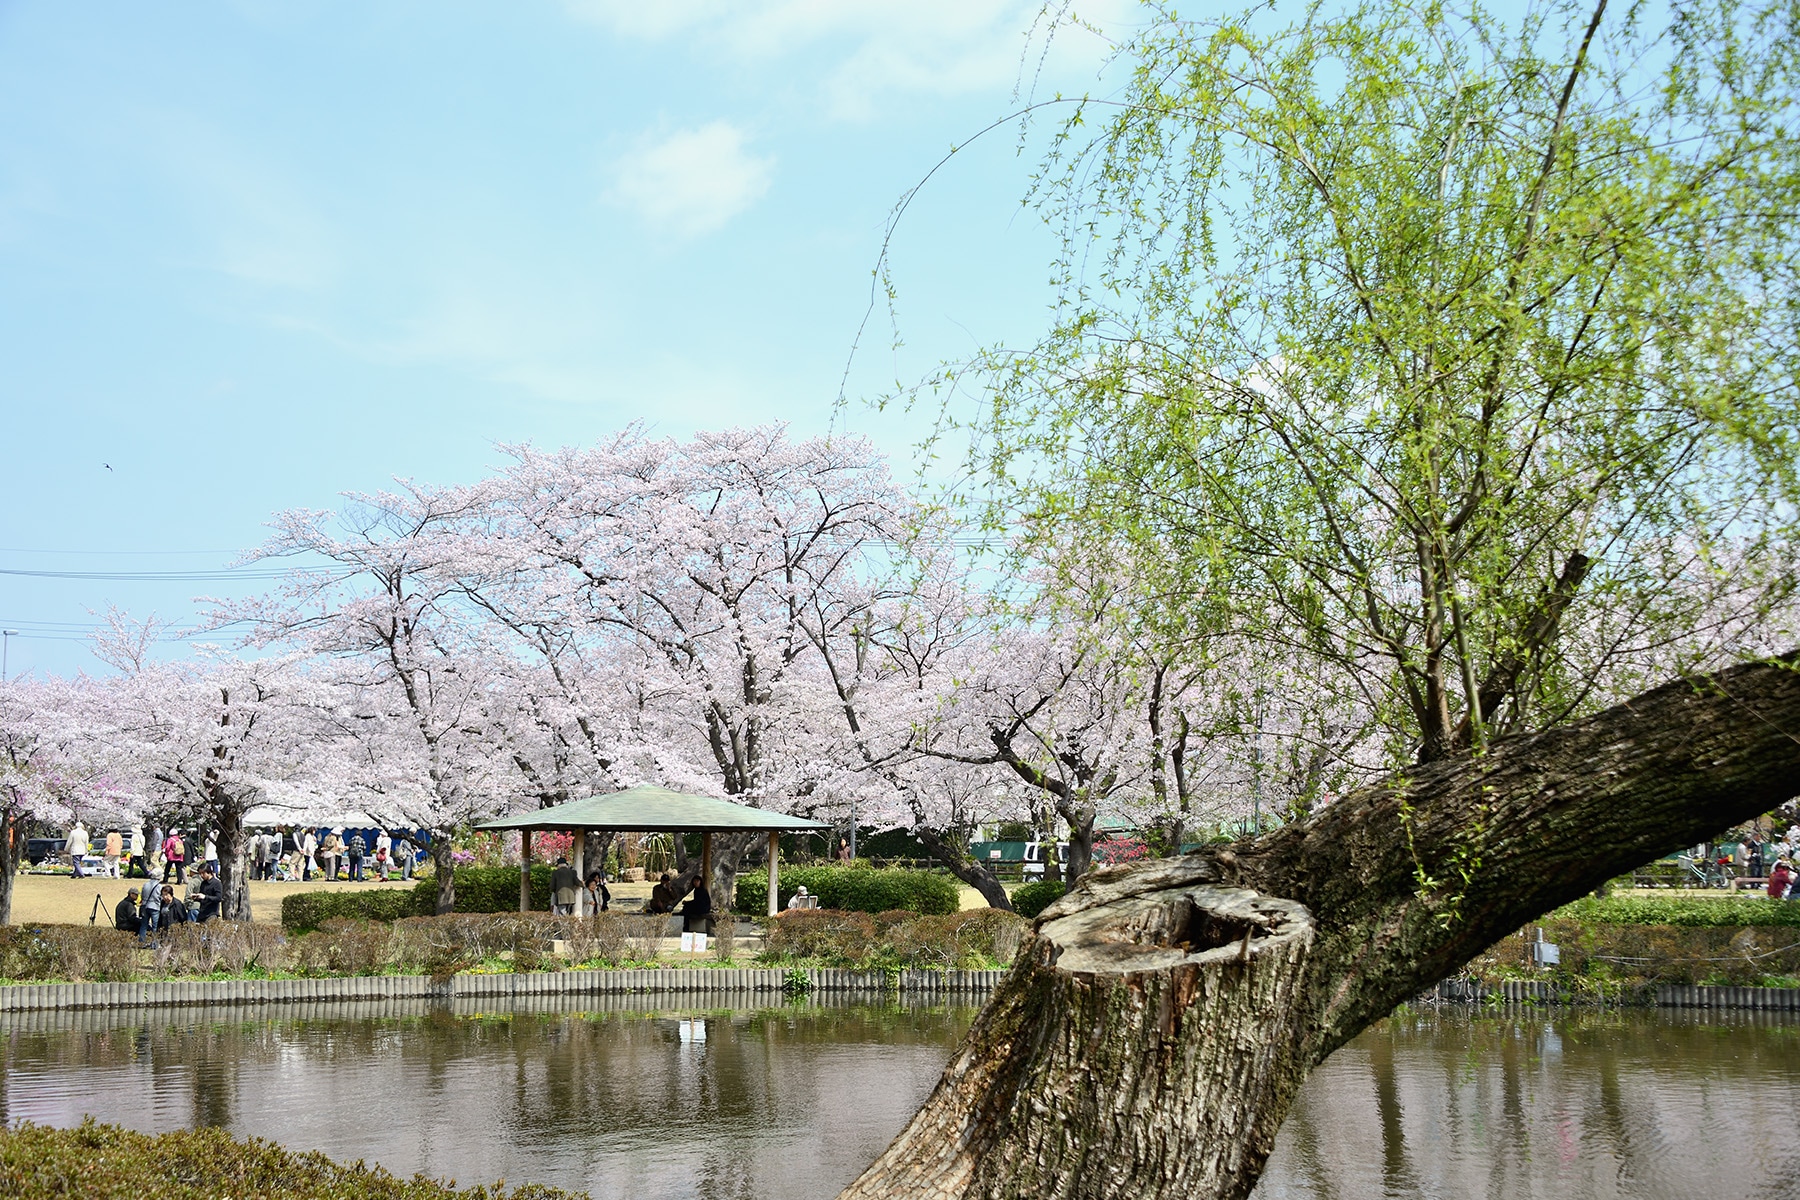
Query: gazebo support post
point(774, 849)
point(524, 870)
point(580, 849)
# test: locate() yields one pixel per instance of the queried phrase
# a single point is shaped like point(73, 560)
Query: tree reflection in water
point(1571, 1105)
point(654, 1100)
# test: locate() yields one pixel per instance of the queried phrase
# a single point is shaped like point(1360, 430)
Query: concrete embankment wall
point(724, 986)
point(1662, 995)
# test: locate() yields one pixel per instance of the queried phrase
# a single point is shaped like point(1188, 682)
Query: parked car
point(38, 850)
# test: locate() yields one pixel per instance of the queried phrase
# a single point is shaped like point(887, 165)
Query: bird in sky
point(108, 466)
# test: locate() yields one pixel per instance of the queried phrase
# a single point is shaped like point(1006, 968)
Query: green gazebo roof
point(647, 807)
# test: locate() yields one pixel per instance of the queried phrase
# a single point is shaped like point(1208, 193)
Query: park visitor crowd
point(272, 854)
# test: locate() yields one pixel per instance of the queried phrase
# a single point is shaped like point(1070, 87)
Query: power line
point(213, 576)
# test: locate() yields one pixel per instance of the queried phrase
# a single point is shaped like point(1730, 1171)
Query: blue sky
point(253, 255)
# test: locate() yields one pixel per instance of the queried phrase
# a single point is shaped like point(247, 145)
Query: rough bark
point(444, 867)
point(956, 860)
point(234, 861)
point(1161, 1018)
point(12, 849)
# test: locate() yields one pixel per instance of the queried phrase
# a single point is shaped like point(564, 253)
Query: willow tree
point(1460, 356)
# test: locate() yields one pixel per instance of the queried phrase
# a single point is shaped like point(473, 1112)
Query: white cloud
point(692, 181)
point(880, 46)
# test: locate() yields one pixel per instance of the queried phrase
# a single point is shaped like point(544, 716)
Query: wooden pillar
point(524, 870)
point(774, 849)
point(581, 872)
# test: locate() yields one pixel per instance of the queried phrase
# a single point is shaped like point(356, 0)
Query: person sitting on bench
point(662, 896)
point(696, 914)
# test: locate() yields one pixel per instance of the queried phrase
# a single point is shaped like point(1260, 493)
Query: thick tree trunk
point(234, 864)
point(445, 869)
point(12, 849)
point(1158, 1024)
point(954, 855)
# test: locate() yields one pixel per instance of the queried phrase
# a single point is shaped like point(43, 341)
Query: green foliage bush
point(1735, 911)
point(306, 911)
point(478, 890)
point(1600, 957)
point(854, 889)
point(1034, 898)
point(104, 1162)
point(975, 939)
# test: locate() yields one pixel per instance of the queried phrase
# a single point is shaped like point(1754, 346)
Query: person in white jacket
point(78, 847)
point(134, 852)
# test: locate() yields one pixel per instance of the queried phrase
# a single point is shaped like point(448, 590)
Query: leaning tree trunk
point(1161, 1018)
point(954, 854)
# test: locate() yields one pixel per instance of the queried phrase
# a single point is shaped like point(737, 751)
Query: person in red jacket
point(1780, 880)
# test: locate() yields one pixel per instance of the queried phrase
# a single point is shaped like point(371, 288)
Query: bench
point(1758, 882)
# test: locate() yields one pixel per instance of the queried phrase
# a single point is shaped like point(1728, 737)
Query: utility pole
point(6, 637)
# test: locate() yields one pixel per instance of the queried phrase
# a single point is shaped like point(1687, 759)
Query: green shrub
point(492, 889)
point(105, 1162)
point(1034, 898)
point(1596, 955)
point(306, 911)
point(478, 890)
point(1736, 911)
point(854, 889)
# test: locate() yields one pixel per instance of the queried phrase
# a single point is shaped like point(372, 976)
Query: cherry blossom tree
point(412, 676)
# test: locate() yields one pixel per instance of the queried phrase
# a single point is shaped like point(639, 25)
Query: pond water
point(652, 1100)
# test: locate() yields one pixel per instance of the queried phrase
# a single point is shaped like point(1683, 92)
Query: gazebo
point(647, 807)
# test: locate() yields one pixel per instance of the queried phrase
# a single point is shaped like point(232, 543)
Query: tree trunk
point(445, 869)
point(12, 849)
point(971, 871)
point(1160, 1020)
point(234, 867)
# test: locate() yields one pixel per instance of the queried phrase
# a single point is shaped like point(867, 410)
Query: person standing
point(135, 850)
point(1753, 856)
point(211, 855)
point(78, 847)
point(174, 857)
point(843, 850)
point(155, 848)
point(333, 853)
point(357, 849)
point(309, 848)
point(599, 899)
point(149, 909)
point(266, 845)
point(565, 886)
point(406, 855)
point(115, 846)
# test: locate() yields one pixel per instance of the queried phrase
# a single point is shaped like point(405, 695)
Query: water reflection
point(1570, 1106)
point(791, 1102)
point(786, 1102)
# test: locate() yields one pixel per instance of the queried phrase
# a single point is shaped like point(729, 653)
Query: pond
point(652, 1100)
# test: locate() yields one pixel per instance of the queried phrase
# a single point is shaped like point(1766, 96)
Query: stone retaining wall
point(722, 985)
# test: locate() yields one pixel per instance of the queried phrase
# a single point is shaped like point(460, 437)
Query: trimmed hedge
point(854, 889)
point(478, 890)
point(307, 911)
point(1034, 898)
point(1692, 911)
point(104, 1162)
